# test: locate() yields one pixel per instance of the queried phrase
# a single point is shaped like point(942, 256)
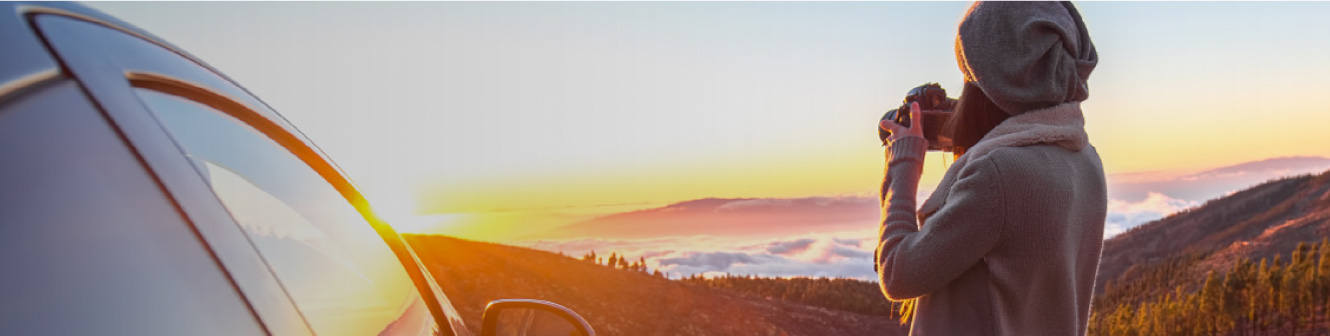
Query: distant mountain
point(1291, 164)
point(620, 302)
point(1211, 183)
point(747, 217)
point(1258, 222)
point(1139, 197)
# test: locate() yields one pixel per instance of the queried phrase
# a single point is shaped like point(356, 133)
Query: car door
point(89, 243)
point(296, 237)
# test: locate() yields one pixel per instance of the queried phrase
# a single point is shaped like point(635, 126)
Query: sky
point(497, 120)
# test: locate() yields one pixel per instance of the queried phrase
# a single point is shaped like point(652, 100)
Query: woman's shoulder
point(1041, 166)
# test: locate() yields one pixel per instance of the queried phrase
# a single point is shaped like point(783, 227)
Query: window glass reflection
point(337, 269)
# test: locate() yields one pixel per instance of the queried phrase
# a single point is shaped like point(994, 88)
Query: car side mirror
point(525, 317)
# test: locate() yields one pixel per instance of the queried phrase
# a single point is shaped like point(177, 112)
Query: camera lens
point(882, 133)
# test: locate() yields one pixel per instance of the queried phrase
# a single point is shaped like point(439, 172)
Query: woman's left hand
point(897, 131)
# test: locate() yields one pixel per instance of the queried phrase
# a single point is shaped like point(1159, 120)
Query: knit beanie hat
point(1026, 55)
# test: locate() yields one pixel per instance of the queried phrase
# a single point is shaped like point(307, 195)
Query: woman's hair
point(975, 115)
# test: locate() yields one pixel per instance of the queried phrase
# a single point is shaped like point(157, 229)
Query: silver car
point(144, 193)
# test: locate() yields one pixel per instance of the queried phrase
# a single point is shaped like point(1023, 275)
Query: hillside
point(618, 302)
point(1258, 222)
point(1195, 272)
point(1256, 262)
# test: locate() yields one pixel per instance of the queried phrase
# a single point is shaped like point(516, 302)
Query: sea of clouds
point(1135, 199)
point(846, 254)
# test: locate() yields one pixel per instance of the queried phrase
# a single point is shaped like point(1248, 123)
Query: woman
point(1009, 242)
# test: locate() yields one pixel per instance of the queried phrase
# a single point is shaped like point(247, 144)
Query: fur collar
point(1063, 125)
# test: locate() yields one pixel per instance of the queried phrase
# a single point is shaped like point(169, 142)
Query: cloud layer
point(1123, 215)
point(842, 254)
point(836, 236)
point(1138, 198)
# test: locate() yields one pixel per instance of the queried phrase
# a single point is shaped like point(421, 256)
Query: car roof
point(27, 59)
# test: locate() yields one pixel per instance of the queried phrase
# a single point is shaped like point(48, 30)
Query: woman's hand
point(897, 131)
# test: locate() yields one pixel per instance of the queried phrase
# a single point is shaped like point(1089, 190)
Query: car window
point(337, 269)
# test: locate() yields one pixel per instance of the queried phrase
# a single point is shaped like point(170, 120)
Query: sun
point(397, 206)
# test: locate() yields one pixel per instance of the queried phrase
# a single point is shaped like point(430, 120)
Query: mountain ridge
point(1256, 222)
point(730, 216)
point(722, 216)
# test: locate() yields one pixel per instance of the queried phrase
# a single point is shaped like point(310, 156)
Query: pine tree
point(1236, 289)
point(1288, 294)
point(1298, 254)
point(1307, 296)
point(1260, 300)
point(1276, 308)
point(1212, 305)
point(1323, 277)
point(1290, 305)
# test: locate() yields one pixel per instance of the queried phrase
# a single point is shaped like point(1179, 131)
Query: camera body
point(935, 108)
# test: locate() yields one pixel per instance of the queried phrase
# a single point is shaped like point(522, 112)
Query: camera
point(935, 108)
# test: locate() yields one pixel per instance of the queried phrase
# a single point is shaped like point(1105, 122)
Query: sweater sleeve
point(913, 260)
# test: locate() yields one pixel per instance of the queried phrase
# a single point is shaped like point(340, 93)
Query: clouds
point(754, 203)
point(1205, 185)
point(796, 257)
point(779, 267)
point(714, 261)
point(821, 250)
point(842, 254)
point(1123, 215)
point(836, 236)
point(1138, 198)
point(845, 253)
point(797, 245)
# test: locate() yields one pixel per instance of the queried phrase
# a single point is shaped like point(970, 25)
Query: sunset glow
point(508, 122)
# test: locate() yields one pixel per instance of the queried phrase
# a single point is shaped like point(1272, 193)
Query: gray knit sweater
point(1011, 238)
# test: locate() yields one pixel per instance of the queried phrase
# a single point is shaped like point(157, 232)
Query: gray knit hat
point(1026, 55)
